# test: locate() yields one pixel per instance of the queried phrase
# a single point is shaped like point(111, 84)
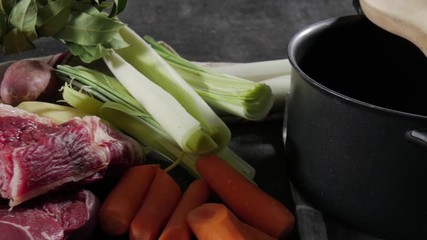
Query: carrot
point(212, 221)
point(121, 204)
point(256, 233)
point(177, 227)
point(249, 202)
point(161, 200)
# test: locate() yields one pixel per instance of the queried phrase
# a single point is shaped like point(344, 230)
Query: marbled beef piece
point(30, 224)
point(37, 155)
point(71, 215)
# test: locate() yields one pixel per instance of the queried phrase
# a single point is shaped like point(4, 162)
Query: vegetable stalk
point(196, 127)
point(237, 96)
point(162, 106)
point(100, 94)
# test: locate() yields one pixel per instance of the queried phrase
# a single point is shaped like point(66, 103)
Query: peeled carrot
point(121, 204)
point(255, 233)
point(177, 227)
point(212, 221)
point(249, 202)
point(161, 200)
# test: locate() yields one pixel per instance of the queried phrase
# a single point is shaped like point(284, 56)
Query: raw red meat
point(37, 155)
point(55, 217)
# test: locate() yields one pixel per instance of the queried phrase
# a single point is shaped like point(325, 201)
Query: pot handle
point(418, 136)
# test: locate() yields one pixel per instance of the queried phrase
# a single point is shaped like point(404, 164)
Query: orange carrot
point(249, 202)
point(121, 204)
point(212, 221)
point(161, 200)
point(177, 227)
point(255, 233)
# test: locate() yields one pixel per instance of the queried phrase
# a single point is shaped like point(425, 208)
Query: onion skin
point(28, 80)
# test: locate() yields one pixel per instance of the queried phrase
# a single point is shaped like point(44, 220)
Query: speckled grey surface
point(218, 30)
point(235, 31)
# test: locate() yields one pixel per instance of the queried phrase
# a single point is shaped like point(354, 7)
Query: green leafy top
point(87, 27)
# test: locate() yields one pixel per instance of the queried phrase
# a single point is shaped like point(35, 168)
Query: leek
point(254, 71)
point(274, 73)
point(237, 96)
point(280, 87)
point(213, 133)
point(104, 96)
point(163, 107)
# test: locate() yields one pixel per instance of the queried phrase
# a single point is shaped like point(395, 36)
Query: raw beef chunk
point(37, 155)
point(55, 217)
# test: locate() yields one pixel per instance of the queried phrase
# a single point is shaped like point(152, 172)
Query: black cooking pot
point(356, 126)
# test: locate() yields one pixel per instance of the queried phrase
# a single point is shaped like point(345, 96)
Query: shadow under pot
point(356, 126)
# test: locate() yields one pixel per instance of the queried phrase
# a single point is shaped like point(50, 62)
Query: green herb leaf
point(53, 16)
point(118, 7)
point(91, 53)
point(23, 17)
point(117, 42)
point(6, 6)
point(3, 27)
point(90, 29)
point(87, 53)
point(15, 41)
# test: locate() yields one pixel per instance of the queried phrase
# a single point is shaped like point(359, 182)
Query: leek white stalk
point(254, 71)
point(147, 61)
point(115, 105)
point(280, 87)
point(135, 127)
point(164, 108)
point(274, 73)
point(237, 96)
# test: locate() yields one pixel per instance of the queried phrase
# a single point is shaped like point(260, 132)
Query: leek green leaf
point(104, 84)
point(81, 100)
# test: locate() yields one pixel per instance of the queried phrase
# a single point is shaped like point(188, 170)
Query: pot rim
point(316, 27)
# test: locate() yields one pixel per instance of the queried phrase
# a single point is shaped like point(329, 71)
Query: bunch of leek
point(172, 103)
point(274, 73)
point(237, 96)
point(160, 103)
point(103, 95)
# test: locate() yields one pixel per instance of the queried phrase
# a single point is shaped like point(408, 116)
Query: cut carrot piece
point(212, 221)
point(249, 202)
point(121, 204)
point(255, 233)
point(177, 227)
point(160, 202)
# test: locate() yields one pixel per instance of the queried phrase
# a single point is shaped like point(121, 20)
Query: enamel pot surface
point(356, 126)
